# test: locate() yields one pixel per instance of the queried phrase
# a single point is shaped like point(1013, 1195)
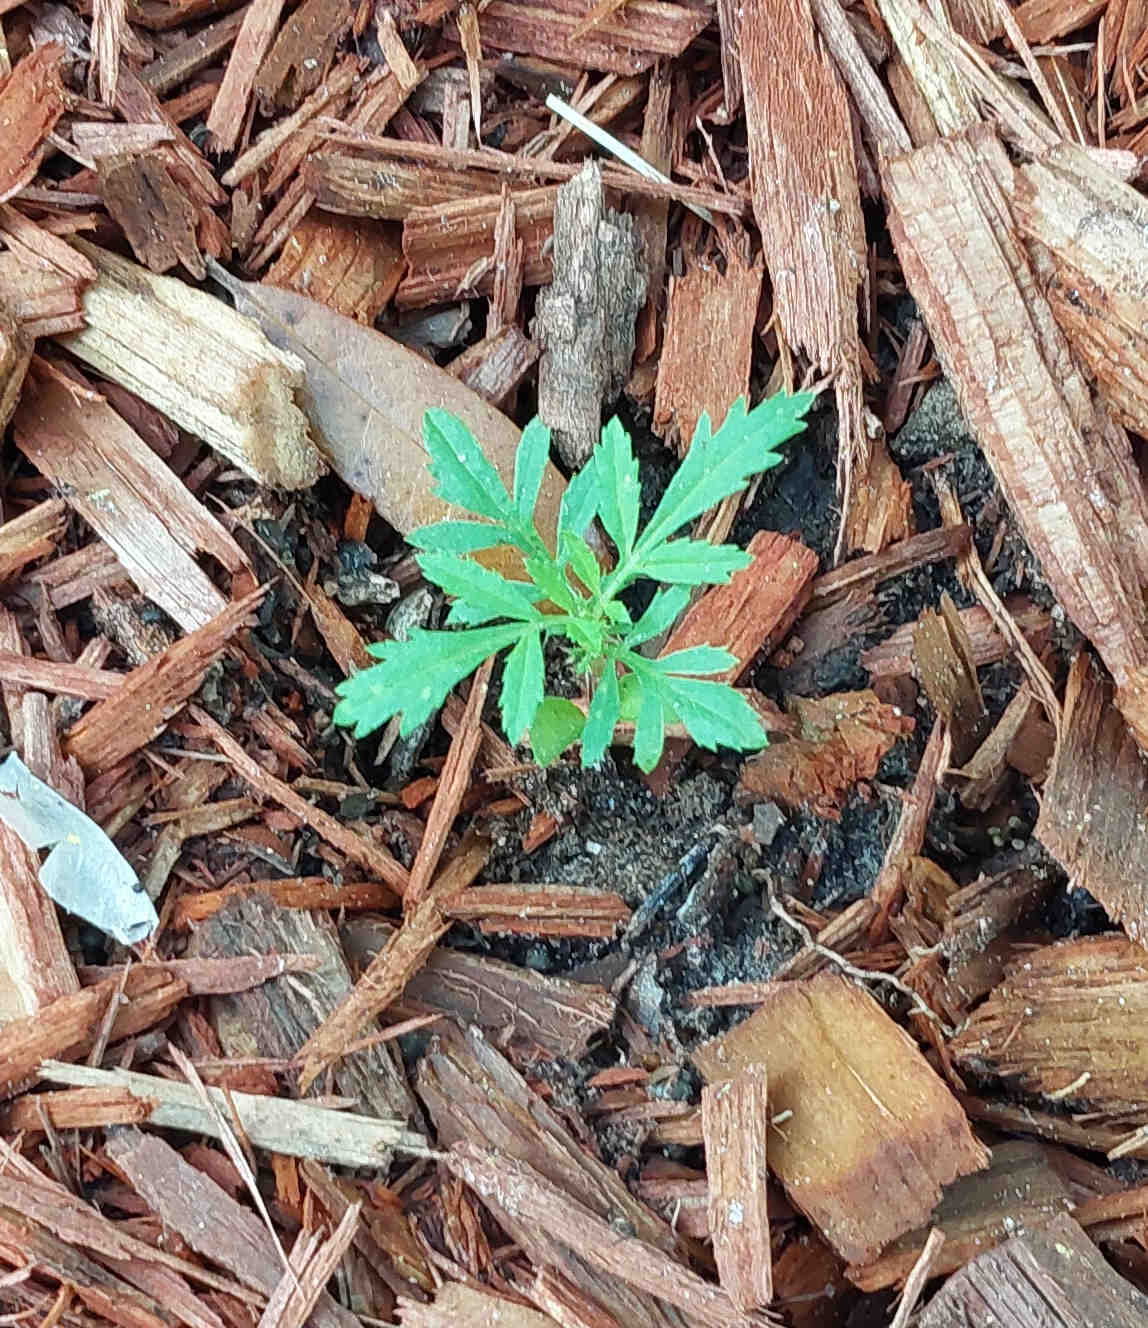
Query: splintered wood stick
point(735, 1123)
point(152, 693)
point(70, 1024)
point(424, 921)
point(374, 857)
point(282, 1125)
point(1063, 462)
point(509, 1184)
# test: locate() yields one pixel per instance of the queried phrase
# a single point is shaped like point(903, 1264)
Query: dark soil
point(694, 853)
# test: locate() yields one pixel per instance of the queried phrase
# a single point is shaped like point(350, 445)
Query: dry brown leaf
point(366, 395)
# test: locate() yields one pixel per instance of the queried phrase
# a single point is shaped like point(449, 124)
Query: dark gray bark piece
point(585, 319)
point(278, 1017)
point(1053, 1277)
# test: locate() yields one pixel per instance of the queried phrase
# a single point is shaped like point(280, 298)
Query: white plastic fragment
point(84, 872)
point(606, 140)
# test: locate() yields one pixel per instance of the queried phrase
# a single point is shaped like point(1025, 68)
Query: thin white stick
point(620, 150)
point(915, 1282)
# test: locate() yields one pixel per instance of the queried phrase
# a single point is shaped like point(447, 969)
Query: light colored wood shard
point(1092, 813)
point(874, 1133)
point(1088, 232)
point(935, 98)
point(297, 1129)
point(735, 1123)
point(211, 370)
point(225, 121)
point(705, 358)
point(807, 202)
point(457, 1303)
point(1065, 466)
point(144, 513)
point(1069, 1021)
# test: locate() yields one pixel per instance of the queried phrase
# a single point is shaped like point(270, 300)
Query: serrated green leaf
point(601, 717)
point(617, 615)
point(694, 660)
point(629, 698)
point(464, 477)
point(414, 677)
point(661, 614)
point(529, 465)
point(586, 633)
point(619, 493)
point(522, 686)
point(580, 501)
point(459, 537)
point(481, 593)
point(689, 562)
point(557, 724)
point(650, 731)
point(574, 550)
point(548, 577)
point(721, 464)
point(714, 714)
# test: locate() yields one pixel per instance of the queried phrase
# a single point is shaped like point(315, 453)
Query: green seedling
point(569, 595)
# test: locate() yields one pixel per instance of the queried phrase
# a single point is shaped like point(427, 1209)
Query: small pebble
point(767, 821)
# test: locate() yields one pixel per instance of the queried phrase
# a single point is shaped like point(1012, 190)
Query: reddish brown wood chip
point(32, 99)
point(735, 1122)
point(841, 739)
